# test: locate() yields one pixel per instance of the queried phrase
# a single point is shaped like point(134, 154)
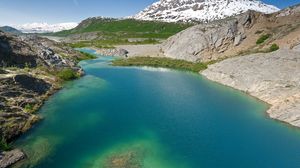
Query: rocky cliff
point(235, 36)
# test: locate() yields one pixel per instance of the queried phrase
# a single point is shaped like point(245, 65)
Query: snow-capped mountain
point(200, 10)
point(45, 27)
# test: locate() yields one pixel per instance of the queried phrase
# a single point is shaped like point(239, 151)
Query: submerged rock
point(129, 159)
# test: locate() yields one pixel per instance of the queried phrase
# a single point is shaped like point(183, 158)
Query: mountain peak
point(200, 10)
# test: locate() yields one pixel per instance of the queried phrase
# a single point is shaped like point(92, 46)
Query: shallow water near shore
point(117, 117)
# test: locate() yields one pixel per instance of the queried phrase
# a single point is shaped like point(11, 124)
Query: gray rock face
point(46, 55)
point(9, 158)
point(119, 52)
point(273, 78)
point(205, 42)
point(33, 51)
point(16, 93)
point(297, 48)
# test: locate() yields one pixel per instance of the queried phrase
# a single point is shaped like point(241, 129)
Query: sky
point(16, 12)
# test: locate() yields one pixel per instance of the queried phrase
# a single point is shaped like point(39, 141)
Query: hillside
point(246, 33)
point(107, 31)
point(201, 10)
point(9, 29)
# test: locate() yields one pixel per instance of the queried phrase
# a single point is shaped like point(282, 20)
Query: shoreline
point(283, 98)
point(280, 105)
point(17, 155)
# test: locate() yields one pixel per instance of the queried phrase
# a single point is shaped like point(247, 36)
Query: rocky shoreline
point(30, 72)
point(273, 78)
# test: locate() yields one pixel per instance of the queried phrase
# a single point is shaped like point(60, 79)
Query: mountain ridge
point(200, 10)
point(45, 27)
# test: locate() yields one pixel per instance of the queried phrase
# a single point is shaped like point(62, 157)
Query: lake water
point(116, 117)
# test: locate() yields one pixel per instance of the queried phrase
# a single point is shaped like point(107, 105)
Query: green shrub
point(263, 38)
point(67, 74)
point(29, 108)
point(274, 47)
point(4, 146)
point(86, 56)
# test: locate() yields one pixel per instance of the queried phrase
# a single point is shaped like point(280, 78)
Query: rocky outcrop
point(119, 52)
point(20, 95)
point(234, 36)
point(9, 158)
point(273, 78)
point(33, 51)
point(198, 43)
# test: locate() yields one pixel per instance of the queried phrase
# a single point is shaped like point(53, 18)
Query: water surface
point(156, 118)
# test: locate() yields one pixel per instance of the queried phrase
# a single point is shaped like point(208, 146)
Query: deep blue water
point(168, 118)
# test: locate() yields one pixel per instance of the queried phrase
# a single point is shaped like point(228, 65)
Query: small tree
point(263, 38)
point(274, 47)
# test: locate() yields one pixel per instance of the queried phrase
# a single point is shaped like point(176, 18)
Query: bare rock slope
point(235, 35)
point(273, 78)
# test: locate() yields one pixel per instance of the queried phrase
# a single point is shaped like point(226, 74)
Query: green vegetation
point(109, 43)
point(263, 38)
point(161, 62)
point(126, 28)
point(108, 32)
point(274, 47)
point(67, 74)
point(29, 108)
point(86, 56)
point(4, 146)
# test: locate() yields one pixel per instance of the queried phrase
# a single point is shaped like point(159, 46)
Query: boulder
point(9, 158)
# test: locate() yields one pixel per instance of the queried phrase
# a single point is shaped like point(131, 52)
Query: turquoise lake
point(118, 117)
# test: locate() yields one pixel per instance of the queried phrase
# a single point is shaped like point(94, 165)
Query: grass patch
point(109, 43)
point(161, 62)
point(263, 38)
point(4, 146)
point(274, 47)
point(67, 74)
point(86, 56)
